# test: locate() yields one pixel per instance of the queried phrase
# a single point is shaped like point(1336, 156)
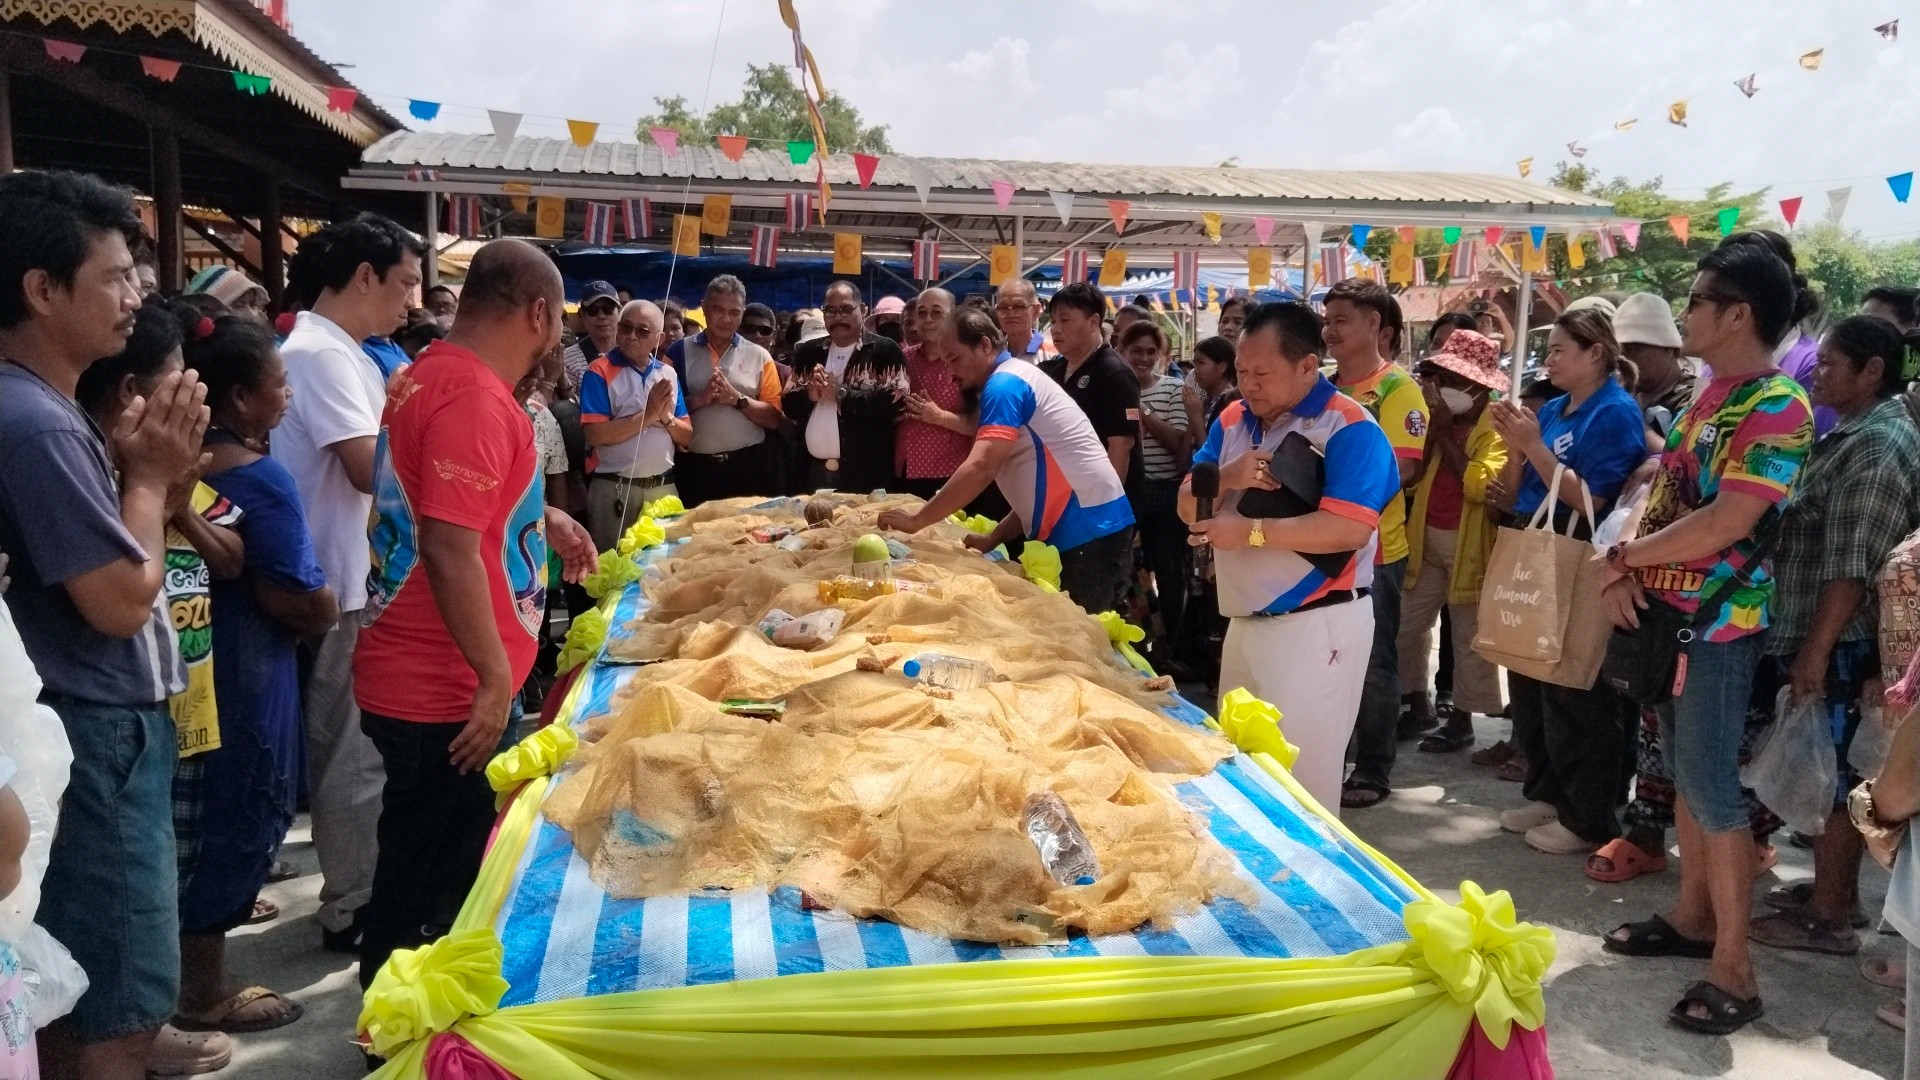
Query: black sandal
point(1354, 795)
point(1448, 740)
point(1728, 1013)
point(1655, 937)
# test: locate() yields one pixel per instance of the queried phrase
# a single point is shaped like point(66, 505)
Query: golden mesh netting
point(868, 794)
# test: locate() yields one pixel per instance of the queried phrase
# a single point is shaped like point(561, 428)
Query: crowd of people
point(259, 559)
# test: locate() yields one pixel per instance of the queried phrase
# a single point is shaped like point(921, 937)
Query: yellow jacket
point(1486, 457)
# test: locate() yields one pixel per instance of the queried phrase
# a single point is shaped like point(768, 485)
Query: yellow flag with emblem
point(1576, 253)
point(1113, 268)
point(716, 215)
point(550, 218)
point(846, 253)
point(1002, 264)
point(686, 235)
point(1259, 267)
point(1400, 264)
point(1533, 257)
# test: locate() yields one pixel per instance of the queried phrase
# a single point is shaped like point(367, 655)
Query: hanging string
point(686, 190)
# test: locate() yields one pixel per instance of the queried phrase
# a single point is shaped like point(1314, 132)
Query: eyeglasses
point(632, 330)
point(600, 309)
point(840, 310)
point(1695, 299)
point(1016, 306)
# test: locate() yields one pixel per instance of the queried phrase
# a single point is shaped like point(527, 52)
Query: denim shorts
point(110, 891)
point(1701, 730)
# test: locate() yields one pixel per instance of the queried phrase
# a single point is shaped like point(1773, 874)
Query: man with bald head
point(635, 417)
point(457, 593)
point(1016, 307)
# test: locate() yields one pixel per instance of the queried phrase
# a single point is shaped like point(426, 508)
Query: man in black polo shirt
point(1096, 378)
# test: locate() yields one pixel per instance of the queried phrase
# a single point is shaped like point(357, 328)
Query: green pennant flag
point(799, 150)
point(252, 84)
point(1450, 234)
point(1729, 216)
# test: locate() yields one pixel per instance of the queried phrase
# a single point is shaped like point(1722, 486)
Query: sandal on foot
point(1497, 754)
point(1765, 858)
point(1801, 932)
point(1622, 860)
point(1726, 1013)
point(1799, 894)
point(1448, 740)
point(1513, 770)
point(1655, 937)
point(188, 1053)
point(264, 911)
point(1893, 1014)
point(283, 871)
point(1884, 971)
point(223, 1017)
point(1355, 795)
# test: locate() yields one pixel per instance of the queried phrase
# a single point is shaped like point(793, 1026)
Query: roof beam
point(221, 246)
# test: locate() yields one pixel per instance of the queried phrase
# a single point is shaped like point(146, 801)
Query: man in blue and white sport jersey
point(1041, 450)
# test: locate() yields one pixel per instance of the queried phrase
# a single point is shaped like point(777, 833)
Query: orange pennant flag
point(716, 214)
point(686, 235)
point(734, 146)
point(582, 131)
point(1118, 208)
point(846, 253)
point(1680, 226)
point(550, 218)
point(1406, 233)
point(1002, 264)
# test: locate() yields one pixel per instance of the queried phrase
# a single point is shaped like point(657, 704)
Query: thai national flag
point(424, 176)
point(1466, 261)
point(1603, 237)
point(1419, 270)
point(926, 260)
point(1333, 264)
point(766, 246)
point(600, 223)
point(463, 215)
point(1186, 270)
point(799, 209)
point(1073, 266)
point(638, 217)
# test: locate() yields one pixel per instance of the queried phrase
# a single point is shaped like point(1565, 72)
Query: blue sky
point(1470, 85)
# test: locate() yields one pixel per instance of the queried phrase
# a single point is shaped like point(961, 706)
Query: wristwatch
point(740, 402)
point(1256, 535)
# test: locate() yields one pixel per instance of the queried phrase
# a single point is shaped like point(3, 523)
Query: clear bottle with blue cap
point(948, 672)
point(1057, 836)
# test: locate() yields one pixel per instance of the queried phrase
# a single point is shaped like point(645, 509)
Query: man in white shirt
point(635, 417)
point(365, 271)
point(1016, 308)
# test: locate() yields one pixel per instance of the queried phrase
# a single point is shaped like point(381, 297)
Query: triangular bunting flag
point(340, 99)
point(1313, 231)
point(846, 253)
point(1630, 232)
point(1526, 167)
point(1811, 60)
point(1902, 185)
point(582, 132)
point(799, 151)
point(766, 246)
point(423, 111)
point(1747, 86)
point(1210, 222)
point(1680, 226)
point(1002, 192)
point(1728, 217)
point(1677, 114)
point(668, 140)
point(1625, 125)
point(1450, 235)
point(1539, 235)
point(1576, 150)
point(1889, 30)
point(1576, 253)
point(1360, 234)
point(505, 126)
point(733, 146)
point(1790, 210)
point(716, 215)
point(65, 51)
point(1493, 234)
point(549, 218)
point(922, 178)
point(1837, 202)
point(1263, 230)
point(1062, 205)
point(164, 70)
point(1117, 210)
point(1113, 268)
point(253, 85)
point(864, 166)
point(1405, 233)
point(1259, 267)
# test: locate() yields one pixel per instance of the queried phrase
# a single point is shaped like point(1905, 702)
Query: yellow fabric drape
point(644, 534)
point(584, 638)
point(539, 754)
point(1486, 457)
point(1124, 634)
point(1042, 564)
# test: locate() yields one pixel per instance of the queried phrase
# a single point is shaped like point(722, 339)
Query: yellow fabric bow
point(539, 754)
point(1484, 956)
point(421, 992)
point(644, 534)
point(1253, 727)
point(584, 638)
point(1042, 564)
point(978, 523)
point(616, 572)
point(665, 506)
point(1123, 634)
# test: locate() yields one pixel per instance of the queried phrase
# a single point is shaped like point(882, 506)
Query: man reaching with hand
point(457, 591)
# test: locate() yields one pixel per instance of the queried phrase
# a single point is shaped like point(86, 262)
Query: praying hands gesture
point(659, 403)
point(822, 385)
point(720, 391)
point(1517, 426)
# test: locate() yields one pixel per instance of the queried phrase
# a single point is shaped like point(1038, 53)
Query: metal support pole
point(1522, 310)
point(1020, 243)
point(167, 207)
point(273, 253)
point(430, 272)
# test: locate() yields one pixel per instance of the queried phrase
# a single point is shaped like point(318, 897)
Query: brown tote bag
point(1529, 594)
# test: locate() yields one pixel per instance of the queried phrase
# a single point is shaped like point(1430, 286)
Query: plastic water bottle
point(1056, 835)
point(948, 672)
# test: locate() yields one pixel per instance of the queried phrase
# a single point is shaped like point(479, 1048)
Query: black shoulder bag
point(1649, 664)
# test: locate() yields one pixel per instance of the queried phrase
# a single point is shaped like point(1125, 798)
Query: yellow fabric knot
point(978, 523)
point(539, 754)
point(421, 992)
point(665, 506)
point(616, 572)
point(1253, 727)
point(1042, 564)
point(584, 638)
point(1484, 956)
point(644, 534)
point(1123, 634)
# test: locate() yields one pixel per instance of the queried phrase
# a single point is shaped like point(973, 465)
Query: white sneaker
point(1530, 816)
point(1556, 839)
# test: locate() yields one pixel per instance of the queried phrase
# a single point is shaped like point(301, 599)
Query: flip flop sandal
point(1893, 1014)
point(1885, 971)
point(1800, 932)
point(1622, 860)
point(1765, 858)
point(1798, 895)
point(1497, 754)
point(1448, 740)
point(220, 1017)
point(1726, 1013)
point(264, 911)
point(1361, 796)
point(283, 871)
point(1655, 937)
point(1513, 770)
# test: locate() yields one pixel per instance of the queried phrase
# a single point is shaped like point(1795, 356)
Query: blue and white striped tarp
point(1316, 893)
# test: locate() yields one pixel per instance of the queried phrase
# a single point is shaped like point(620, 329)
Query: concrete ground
point(1606, 1015)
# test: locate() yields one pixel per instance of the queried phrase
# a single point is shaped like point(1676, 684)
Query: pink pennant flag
point(926, 260)
point(65, 51)
point(341, 99)
point(766, 246)
point(667, 139)
point(1186, 270)
point(637, 215)
point(1630, 232)
point(1263, 230)
point(157, 68)
point(1494, 233)
point(1073, 265)
point(1003, 192)
point(863, 168)
point(600, 223)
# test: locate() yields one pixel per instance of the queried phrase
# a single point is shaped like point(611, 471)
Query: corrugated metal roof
point(613, 161)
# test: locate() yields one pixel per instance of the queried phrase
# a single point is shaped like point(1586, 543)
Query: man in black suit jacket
point(845, 397)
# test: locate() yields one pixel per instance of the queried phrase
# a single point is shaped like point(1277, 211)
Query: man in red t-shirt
point(457, 591)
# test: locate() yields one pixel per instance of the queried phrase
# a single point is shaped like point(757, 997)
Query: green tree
point(1661, 261)
point(771, 107)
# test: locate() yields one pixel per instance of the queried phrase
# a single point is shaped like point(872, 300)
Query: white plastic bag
point(52, 977)
point(810, 631)
point(32, 735)
point(1607, 533)
point(1871, 742)
point(1793, 769)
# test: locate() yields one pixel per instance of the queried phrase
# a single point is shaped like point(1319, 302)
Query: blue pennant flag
point(1902, 185)
point(1539, 234)
point(1360, 233)
point(424, 110)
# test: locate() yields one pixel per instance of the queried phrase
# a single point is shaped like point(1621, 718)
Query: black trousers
point(433, 832)
point(1163, 541)
point(1095, 574)
point(757, 470)
point(1574, 742)
point(1375, 745)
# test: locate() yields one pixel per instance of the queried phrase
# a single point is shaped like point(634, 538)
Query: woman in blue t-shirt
point(1574, 739)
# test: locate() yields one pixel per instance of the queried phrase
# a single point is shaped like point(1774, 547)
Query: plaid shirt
point(1858, 497)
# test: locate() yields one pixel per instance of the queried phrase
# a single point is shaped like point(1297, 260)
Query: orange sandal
point(1622, 860)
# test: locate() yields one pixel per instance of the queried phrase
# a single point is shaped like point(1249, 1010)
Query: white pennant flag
point(922, 179)
point(1313, 229)
point(1062, 204)
point(505, 126)
point(1837, 202)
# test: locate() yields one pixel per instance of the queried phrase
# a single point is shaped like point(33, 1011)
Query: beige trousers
point(1476, 683)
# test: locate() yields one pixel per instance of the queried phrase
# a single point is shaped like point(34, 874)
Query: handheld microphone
point(1205, 485)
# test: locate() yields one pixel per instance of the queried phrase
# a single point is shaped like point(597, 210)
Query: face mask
point(1456, 401)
